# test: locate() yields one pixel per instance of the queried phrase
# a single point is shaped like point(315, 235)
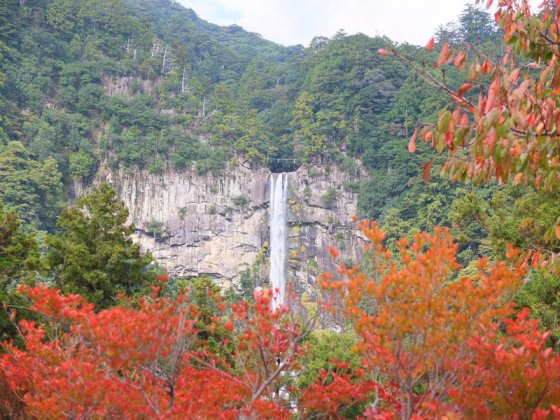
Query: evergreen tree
point(33, 189)
point(19, 262)
point(94, 255)
point(476, 26)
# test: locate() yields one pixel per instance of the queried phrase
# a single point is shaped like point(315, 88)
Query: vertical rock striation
point(217, 225)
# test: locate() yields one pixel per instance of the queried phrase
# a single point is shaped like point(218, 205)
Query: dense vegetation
point(146, 84)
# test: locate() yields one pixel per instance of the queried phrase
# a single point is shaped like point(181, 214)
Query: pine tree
point(94, 255)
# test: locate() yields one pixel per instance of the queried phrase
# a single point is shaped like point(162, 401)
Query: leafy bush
point(240, 200)
point(329, 198)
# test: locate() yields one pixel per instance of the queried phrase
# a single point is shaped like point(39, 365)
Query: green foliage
point(247, 284)
point(155, 228)
point(397, 228)
point(240, 200)
point(82, 164)
point(324, 347)
point(208, 298)
point(19, 255)
point(475, 26)
point(541, 293)
point(32, 188)
point(211, 160)
point(94, 255)
point(205, 294)
point(19, 263)
point(486, 221)
point(253, 276)
point(329, 198)
point(308, 126)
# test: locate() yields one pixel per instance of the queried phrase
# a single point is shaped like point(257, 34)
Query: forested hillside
point(148, 84)
point(92, 84)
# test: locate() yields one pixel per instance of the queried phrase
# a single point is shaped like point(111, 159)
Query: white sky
point(292, 22)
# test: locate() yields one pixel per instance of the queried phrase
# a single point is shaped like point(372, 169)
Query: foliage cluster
point(429, 339)
point(149, 84)
point(425, 346)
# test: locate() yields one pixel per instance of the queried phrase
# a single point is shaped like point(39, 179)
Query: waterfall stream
point(278, 236)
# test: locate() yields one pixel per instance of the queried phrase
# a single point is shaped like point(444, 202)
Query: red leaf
point(464, 88)
point(430, 44)
point(486, 66)
point(333, 251)
point(426, 171)
point(383, 51)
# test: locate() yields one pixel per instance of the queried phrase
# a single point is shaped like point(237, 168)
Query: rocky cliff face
point(218, 225)
point(321, 209)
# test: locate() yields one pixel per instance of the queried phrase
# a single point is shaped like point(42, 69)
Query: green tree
point(19, 262)
point(94, 254)
point(541, 293)
point(476, 26)
point(33, 189)
point(7, 30)
point(19, 255)
point(325, 347)
point(307, 127)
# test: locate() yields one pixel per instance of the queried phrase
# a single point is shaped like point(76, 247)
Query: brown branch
point(432, 80)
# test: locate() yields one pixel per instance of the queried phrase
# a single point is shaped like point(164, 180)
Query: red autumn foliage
point(519, 371)
point(430, 44)
point(145, 362)
point(431, 344)
point(332, 393)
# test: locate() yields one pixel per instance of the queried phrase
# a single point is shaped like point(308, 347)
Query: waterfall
point(278, 235)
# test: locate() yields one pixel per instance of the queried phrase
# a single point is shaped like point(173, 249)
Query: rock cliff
point(218, 225)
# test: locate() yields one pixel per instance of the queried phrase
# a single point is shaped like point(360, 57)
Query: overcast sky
point(292, 22)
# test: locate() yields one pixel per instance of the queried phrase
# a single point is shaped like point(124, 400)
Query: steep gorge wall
point(321, 211)
point(218, 225)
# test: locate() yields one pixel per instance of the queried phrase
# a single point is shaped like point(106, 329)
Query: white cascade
point(278, 236)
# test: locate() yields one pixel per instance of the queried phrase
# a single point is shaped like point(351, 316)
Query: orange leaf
point(412, 142)
point(426, 171)
point(460, 61)
point(443, 54)
point(383, 51)
point(428, 136)
point(536, 258)
point(430, 44)
point(333, 251)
